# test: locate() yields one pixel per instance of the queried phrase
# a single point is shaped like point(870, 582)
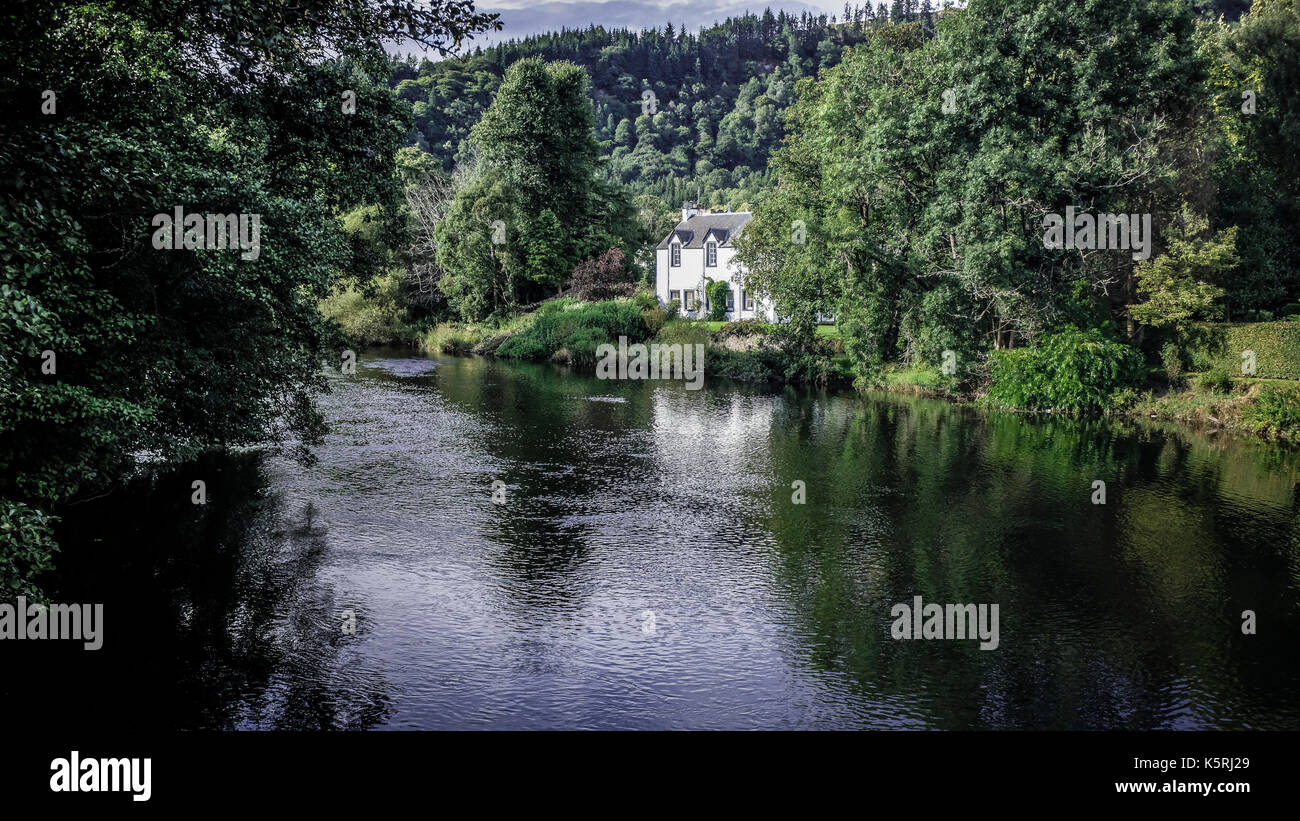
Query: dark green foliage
point(719, 97)
point(1256, 167)
point(1216, 380)
point(27, 539)
point(216, 107)
point(1071, 371)
point(744, 327)
point(717, 291)
point(1276, 346)
point(921, 211)
point(577, 328)
point(1277, 411)
point(761, 365)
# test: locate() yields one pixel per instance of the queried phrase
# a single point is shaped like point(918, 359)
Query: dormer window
point(676, 253)
point(711, 254)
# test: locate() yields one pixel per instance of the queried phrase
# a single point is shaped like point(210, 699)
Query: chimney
point(689, 210)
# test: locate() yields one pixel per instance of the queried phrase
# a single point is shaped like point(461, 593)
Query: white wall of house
point(685, 283)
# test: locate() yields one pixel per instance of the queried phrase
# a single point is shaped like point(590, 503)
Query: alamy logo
point(654, 361)
point(951, 621)
point(56, 622)
point(73, 774)
point(208, 232)
point(1100, 232)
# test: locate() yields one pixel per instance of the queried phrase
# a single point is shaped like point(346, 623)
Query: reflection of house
point(698, 250)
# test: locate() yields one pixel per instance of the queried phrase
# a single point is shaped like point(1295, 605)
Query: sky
point(522, 18)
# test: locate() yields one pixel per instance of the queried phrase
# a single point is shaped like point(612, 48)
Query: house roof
point(693, 232)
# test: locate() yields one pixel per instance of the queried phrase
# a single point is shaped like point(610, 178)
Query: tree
point(1176, 286)
point(539, 199)
point(901, 194)
point(232, 107)
point(605, 277)
point(477, 248)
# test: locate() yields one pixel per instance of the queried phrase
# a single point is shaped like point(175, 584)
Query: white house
point(700, 249)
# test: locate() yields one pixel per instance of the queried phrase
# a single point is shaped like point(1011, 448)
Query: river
point(646, 563)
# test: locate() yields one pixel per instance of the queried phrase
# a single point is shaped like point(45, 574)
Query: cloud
point(521, 18)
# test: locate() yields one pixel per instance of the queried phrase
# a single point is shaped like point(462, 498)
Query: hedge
point(1276, 346)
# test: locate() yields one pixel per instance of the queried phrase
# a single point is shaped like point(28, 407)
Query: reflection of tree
point(1106, 610)
point(218, 617)
point(538, 430)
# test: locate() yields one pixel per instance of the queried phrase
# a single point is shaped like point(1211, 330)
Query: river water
point(644, 563)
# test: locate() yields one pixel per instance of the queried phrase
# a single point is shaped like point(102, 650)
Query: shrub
point(744, 327)
point(1172, 359)
point(450, 339)
point(1277, 411)
point(745, 366)
point(370, 316)
point(1215, 380)
point(1071, 371)
point(26, 548)
point(1276, 346)
point(1125, 398)
point(578, 327)
point(682, 332)
point(717, 291)
point(654, 319)
point(605, 277)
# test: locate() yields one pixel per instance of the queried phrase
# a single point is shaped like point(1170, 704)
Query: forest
point(922, 151)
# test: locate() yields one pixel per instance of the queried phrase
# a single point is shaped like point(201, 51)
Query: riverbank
point(566, 331)
point(1269, 409)
point(1208, 402)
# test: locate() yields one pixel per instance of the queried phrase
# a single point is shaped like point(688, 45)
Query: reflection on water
point(623, 498)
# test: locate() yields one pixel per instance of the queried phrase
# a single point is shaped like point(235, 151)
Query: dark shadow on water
point(214, 617)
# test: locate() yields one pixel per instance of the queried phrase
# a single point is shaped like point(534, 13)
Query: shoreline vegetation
point(1204, 394)
point(864, 151)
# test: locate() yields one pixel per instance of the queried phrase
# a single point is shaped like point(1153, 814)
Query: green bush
point(1276, 346)
point(654, 317)
point(717, 291)
point(1215, 380)
point(1125, 398)
point(682, 332)
point(744, 327)
point(450, 339)
point(1172, 359)
point(745, 366)
point(1071, 371)
point(26, 548)
point(377, 318)
point(576, 327)
point(646, 300)
point(1277, 411)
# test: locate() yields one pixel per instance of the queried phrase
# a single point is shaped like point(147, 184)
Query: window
point(747, 300)
point(731, 300)
point(688, 300)
point(675, 296)
point(676, 253)
point(711, 255)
